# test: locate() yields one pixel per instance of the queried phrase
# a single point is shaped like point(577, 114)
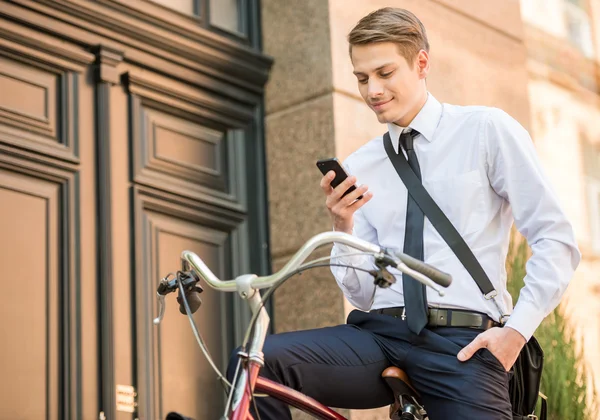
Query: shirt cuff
point(525, 318)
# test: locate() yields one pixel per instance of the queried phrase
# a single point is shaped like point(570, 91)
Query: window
point(225, 14)
point(591, 166)
point(228, 16)
point(594, 208)
point(577, 26)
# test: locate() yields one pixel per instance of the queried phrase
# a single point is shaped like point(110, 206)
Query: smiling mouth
point(377, 106)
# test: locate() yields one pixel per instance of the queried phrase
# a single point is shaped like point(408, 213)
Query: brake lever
point(192, 292)
point(383, 278)
point(160, 294)
point(162, 305)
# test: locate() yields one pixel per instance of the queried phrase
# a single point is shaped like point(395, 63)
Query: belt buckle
point(437, 317)
point(403, 316)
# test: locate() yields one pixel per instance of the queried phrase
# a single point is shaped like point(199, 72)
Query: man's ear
point(422, 63)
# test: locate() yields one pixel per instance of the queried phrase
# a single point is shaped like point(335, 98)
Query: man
point(480, 167)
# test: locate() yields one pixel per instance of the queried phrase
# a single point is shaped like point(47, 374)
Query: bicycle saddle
point(407, 404)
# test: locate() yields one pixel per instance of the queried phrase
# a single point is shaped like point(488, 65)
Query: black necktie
point(415, 298)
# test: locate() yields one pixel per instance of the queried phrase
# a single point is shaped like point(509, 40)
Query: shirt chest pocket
point(460, 197)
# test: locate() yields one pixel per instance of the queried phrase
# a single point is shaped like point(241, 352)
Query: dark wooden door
point(49, 359)
point(128, 133)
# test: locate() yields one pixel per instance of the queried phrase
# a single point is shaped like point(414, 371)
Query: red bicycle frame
point(281, 393)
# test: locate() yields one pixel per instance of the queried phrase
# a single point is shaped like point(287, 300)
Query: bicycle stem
point(260, 329)
point(255, 354)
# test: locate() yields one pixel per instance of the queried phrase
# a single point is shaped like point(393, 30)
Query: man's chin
point(383, 118)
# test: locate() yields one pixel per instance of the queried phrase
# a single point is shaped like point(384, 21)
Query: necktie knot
point(407, 138)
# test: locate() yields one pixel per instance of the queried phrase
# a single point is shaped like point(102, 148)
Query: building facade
point(131, 130)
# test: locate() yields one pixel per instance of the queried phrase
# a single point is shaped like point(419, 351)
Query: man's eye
point(386, 74)
point(363, 81)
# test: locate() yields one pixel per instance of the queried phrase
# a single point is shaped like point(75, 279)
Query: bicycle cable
point(230, 395)
point(270, 291)
point(199, 339)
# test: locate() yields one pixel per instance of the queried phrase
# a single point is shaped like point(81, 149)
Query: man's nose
point(375, 88)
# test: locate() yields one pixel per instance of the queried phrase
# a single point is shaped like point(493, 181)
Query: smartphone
point(332, 164)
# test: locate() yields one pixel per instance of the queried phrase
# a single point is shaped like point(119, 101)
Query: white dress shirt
point(481, 168)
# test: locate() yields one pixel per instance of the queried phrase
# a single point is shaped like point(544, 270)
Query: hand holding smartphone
point(332, 164)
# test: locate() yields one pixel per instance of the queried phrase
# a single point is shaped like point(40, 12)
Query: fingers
point(340, 189)
point(469, 350)
point(340, 206)
point(366, 197)
point(343, 187)
point(326, 182)
point(349, 203)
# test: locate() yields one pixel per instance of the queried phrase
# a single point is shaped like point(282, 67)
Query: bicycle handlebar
point(422, 272)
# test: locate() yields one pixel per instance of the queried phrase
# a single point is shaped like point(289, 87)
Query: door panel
point(183, 373)
point(30, 350)
point(173, 373)
point(188, 194)
point(48, 357)
point(29, 95)
point(183, 149)
point(38, 105)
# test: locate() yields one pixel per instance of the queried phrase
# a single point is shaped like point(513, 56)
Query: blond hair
point(391, 24)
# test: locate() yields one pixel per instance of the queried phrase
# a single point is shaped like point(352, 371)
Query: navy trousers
point(341, 367)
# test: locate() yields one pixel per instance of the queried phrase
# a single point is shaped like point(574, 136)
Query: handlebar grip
point(441, 278)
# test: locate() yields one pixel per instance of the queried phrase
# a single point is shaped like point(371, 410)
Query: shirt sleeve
point(356, 284)
point(516, 175)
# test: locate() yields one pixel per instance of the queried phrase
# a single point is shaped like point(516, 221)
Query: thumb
point(469, 350)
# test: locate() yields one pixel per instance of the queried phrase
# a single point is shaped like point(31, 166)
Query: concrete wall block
point(296, 138)
point(311, 299)
point(296, 34)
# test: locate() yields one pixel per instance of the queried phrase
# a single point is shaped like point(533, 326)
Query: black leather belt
point(447, 318)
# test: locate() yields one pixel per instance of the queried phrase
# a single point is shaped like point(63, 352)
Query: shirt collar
point(425, 122)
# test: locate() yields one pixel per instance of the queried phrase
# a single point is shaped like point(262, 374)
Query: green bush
point(564, 380)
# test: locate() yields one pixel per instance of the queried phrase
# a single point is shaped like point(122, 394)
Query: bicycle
point(246, 383)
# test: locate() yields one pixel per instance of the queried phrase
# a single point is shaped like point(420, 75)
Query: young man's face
point(392, 87)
